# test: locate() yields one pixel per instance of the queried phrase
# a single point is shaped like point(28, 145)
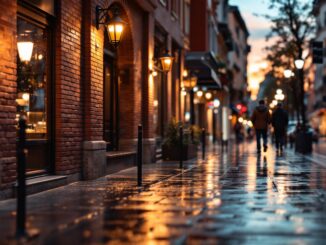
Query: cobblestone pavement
point(231, 198)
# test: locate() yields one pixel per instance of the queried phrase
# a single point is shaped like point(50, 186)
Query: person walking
point(261, 119)
point(280, 122)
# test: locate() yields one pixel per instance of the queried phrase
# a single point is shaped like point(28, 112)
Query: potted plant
point(171, 143)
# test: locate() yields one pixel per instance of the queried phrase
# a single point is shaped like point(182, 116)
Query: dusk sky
point(258, 28)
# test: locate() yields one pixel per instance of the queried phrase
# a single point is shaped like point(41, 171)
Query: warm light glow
point(187, 116)
point(155, 103)
point(250, 124)
point(245, 122)
point(185, 73)
point(299, 63)
point(25, 50)
point(115, 30)
point(208, 95)
point(279, 91)
point(25, 96)
point(288, 73)
point(184, 92)
point(271, 105)
point(279, 96)
point(195, 89)
point(274, 102)
point(199, 93)
point(166, 61)
point(216, 103)
point(240, 120)
point(190, 82)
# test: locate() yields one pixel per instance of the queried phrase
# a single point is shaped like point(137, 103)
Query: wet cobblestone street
point(234, 198)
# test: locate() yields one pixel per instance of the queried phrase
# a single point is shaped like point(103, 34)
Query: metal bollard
point(21, 179)
point(140, 155)
point(181, 147)
point(203, 137)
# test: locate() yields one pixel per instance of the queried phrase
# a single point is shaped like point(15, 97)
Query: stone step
point(119, 160)
point(43, 183)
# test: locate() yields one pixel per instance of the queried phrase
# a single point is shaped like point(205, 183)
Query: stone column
point(94, 160)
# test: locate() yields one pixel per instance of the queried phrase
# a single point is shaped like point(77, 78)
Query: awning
point(204, 65)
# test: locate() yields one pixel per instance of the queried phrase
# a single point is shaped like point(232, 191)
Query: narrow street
point(233, 198)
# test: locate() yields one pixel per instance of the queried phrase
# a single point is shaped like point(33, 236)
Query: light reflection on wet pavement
point(235, 198)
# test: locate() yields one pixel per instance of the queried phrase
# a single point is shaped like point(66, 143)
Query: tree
point(292, 26)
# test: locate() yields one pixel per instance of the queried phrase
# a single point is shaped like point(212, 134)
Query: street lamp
point(208, 95)
point(114, 25)
point(299, 63)
point(216, 103)
point(199, 93)
point(279, 91)
point(288, 73)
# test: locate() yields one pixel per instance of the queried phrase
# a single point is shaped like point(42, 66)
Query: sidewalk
point(230, 198)
point(57, 209)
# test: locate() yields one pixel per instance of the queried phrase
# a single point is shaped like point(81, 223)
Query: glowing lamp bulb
point(25, 50)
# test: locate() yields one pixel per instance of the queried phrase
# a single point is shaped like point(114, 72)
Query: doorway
point(111, 102)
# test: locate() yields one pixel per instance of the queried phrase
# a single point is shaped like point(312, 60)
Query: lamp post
point(288, 74)
point(303, 141)
point(299, 63)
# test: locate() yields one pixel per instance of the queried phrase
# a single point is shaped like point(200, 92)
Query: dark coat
point(261, 117)
point(280, 119)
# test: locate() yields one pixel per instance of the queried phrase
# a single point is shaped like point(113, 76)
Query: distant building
point(238, 57)
point(318, 114)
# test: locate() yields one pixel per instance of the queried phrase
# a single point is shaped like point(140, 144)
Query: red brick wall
point(8, 54)
point(130, 57)
point(199, 26)
point(69, 127)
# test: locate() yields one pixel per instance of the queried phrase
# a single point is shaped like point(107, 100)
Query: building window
point(187, 18)
point(175, 8)
point(164, 3)
point(33, 91)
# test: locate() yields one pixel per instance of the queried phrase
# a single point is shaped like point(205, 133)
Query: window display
point(32, 78)
point(33, 69)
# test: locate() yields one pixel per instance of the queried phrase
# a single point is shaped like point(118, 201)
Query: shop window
point(187, 18)
point(175, 6)
point(164, 3)
point(33, 90)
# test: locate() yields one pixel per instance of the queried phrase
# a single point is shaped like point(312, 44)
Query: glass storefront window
point(32, 79)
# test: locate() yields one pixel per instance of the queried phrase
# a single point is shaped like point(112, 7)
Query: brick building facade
point(83, 99)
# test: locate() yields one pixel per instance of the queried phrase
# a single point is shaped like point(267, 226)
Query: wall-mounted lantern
point(190, 82)
point(166, 61)
point(114, 25)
